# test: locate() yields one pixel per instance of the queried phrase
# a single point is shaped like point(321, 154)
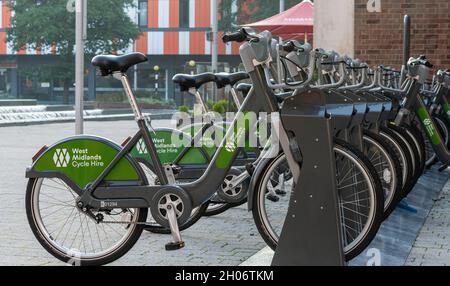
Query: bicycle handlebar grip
point(421, 60)
point(237, 36)
point(289, 47)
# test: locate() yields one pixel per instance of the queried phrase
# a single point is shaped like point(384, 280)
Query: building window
point(143, 14)
point(184, 13)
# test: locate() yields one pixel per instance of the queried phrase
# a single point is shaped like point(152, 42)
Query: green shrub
point(141, 97)
point(109, 97)
point(220, 107)
point(210, 104)
point(183, 108)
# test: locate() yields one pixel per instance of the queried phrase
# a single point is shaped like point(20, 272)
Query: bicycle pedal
point(250, 169)
point(171, 246)
point(443, 168)
point(280, 192)
point(176, 169)
point(273, 198)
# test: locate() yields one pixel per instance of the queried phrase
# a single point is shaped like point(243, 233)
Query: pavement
point(414, 234)
point(411, 238)
point(432, 246)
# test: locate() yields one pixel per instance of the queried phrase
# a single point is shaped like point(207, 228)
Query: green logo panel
point(169, 144)
point(429, 126)
point(83, 160)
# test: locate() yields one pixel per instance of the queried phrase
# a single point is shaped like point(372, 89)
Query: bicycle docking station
point(311, 233)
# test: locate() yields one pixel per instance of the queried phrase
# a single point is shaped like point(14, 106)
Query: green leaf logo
point(61, 158)
point(141, 148)
point(429, 126)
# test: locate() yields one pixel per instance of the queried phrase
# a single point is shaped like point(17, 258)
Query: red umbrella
point(297, 22)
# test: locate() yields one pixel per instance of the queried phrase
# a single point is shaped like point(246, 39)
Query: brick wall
point(379, 36)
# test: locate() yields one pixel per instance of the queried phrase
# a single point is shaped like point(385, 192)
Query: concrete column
point(334, 25)
point(14, 83)
point(92, 83)
point(170, 86)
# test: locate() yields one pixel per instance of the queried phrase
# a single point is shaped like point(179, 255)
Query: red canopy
point(293, 23)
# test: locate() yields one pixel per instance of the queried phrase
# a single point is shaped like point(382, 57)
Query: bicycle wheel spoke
point(64, 224)
point(351, 185)
point(349, 209)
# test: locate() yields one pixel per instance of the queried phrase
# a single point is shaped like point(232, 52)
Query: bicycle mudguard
point(79, 160)
point(170, 143)
point(260, 168)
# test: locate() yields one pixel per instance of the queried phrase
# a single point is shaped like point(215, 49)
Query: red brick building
point(379, 35)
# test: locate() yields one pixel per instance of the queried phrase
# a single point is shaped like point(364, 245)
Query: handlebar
point(238, 37)
point(241, 35)
point(419, 68)
point(295, 46)
point(420, 61)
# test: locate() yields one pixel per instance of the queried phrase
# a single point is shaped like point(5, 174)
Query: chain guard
point(233, 194)
point(176, 196)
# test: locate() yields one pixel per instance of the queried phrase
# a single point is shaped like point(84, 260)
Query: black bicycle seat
point(224, 79)
point(187, 81)
point(109, 64)
point(244, 88)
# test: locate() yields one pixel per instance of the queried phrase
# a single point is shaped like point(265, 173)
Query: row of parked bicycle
point(387, 127)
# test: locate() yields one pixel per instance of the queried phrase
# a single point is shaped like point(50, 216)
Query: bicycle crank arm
point(177, 242)
point(239, 179)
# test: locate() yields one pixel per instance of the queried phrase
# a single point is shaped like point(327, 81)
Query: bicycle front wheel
point(386, 163)
point(360, 200)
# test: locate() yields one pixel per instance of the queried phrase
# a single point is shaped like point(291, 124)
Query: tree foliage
point(48, 24)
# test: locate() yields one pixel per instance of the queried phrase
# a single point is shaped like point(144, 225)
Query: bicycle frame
point(441, 101)
point(123, 196)
point(414, 102)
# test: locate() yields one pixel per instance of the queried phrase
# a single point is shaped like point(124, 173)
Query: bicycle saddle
point(244, 88)
point(224, 79)
point(187, 81)
point(109, 64)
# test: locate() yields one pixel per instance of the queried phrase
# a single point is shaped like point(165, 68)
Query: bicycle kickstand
point(177, 242)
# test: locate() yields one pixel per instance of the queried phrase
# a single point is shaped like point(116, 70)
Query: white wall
point(334, 25)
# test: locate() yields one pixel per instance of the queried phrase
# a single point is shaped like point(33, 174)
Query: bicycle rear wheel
point(217, 206)
point(70, 234)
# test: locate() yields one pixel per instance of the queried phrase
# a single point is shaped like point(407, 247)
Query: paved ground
point(432, 246)
point(226, 239)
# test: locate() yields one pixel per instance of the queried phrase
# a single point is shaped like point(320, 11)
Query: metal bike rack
point(311, 233)
point(406, 45)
